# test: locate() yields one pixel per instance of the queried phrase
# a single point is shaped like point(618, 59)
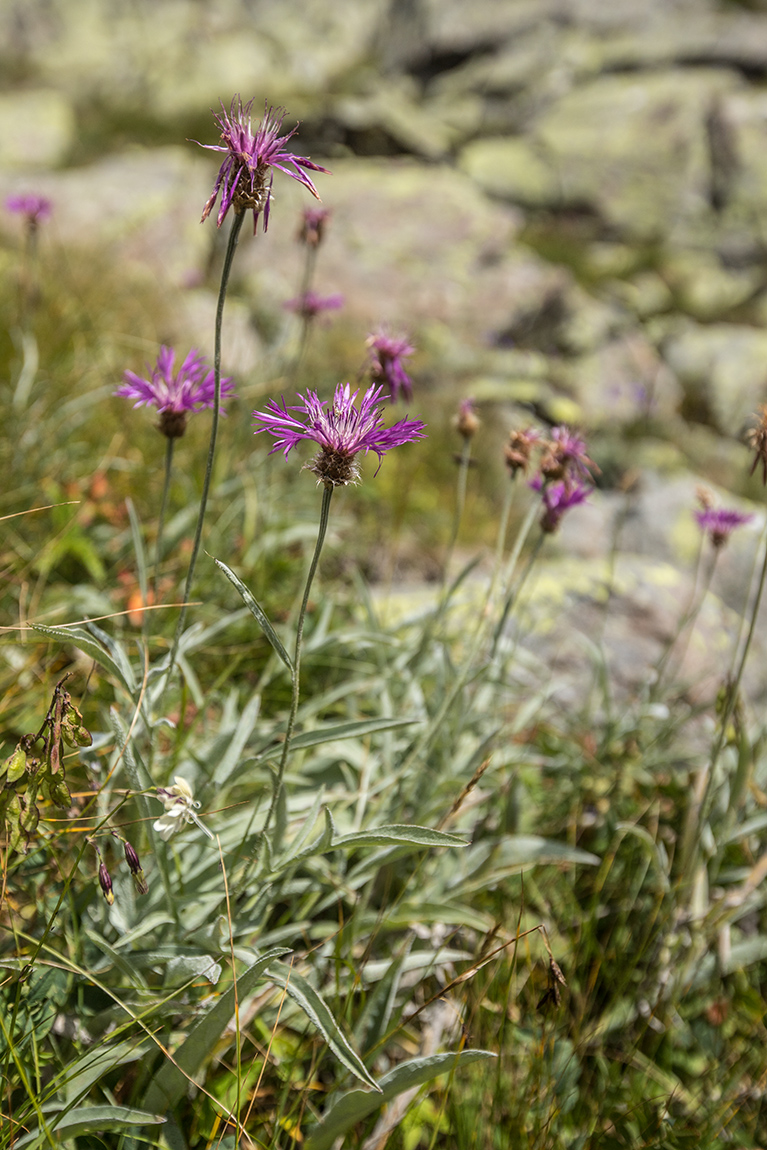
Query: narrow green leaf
point(79, 637)
point(337, 732)
point(397, 834)
point(357, 1104)
point(169, 1084)
point(91, 1119)
point(257, 612)
point(317, 1011)
point(240, 736)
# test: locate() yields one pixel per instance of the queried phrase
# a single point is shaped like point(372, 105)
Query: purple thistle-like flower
point(192, 388)
point(30, 205)
point(386, 355)
point(310, 305)
point(245, 177)
point(566, 457)
point(341, 429)
point(719, 523)
point(557, 499)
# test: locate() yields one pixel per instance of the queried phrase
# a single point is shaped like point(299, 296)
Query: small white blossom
point(180, 807)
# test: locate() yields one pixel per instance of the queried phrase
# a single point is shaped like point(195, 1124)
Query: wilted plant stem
point(163, 507)
point(231, 247)
point(296, 668)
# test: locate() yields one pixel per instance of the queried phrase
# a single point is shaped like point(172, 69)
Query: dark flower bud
point(105, 882)
point(134, 865)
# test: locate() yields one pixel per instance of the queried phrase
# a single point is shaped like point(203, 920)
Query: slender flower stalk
point(295, 674)
point(342, 430)
point(231, 247)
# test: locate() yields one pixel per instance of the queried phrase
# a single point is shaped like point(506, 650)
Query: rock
point(634, 148)
point(37, 129)
point(624, 381)
point(704, 288)
point(723, 367)
point(513, 170)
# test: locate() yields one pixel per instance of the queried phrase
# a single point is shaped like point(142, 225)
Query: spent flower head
point(386, 367)
point(719, 523)
point(518, 451)
point(466, 422)
point(341, 429)
point(33, 207)
point(314, 222)
point(190, 389)
point(180, 807)
point(757, 440)
point(557, 499)
point(310, 305)
point(246, 175)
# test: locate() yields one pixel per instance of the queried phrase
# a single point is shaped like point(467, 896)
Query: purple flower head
point(386, 355)
point(341, 429)
point(719, 523)
point(565, 457)
point(310, 305)
point(245, 176)
point(32, 207)
point(557, 499)
point(313, 224)
point(192, 388)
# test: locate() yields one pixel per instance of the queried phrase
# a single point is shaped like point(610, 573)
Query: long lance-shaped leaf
point(338, 732)
point(357, 1104)
point(258, 613)
point(317, 1011)
point(395, 834)
point(79, 637)
point(91, 1119)
point(168, 1086)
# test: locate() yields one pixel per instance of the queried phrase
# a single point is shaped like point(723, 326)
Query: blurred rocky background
point(564, 202)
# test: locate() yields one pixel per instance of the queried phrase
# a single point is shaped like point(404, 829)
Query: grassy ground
point(530, 928)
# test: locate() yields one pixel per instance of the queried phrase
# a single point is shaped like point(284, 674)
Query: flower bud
point(134, 865)
point(105, 882)
point(466, 422)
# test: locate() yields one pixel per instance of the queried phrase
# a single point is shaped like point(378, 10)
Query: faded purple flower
point(557, 499)
point(518, 451)
point(192, 388)
point(33, 207)
point(386, 355)
point(245, 177)
point(310, 305)
point(313, 224)
point(565, 456)
point(719, 523)
point(341, 429)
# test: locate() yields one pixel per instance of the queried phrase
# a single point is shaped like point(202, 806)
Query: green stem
point(512, 592)
point(460, 501)
point(296, 670)
point(231, 247)
point(699, 809)
point(163, 507)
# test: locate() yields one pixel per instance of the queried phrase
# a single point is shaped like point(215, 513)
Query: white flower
point(180, 807)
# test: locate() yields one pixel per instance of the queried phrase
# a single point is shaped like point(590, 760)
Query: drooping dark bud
point(105, 882)
point(134, 865)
